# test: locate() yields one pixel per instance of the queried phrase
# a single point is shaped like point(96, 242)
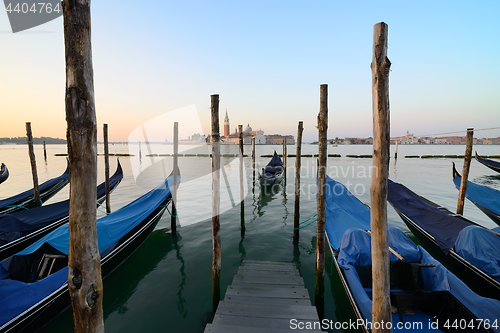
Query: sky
point(266, 60)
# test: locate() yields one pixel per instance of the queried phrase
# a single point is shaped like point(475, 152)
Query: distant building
point(226, 125)
point(277, 139)
point(248, 135)
point(409, 139)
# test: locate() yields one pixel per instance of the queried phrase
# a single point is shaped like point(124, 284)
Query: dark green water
point(166, 285)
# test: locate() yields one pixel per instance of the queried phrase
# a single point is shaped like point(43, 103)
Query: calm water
point(166, 284)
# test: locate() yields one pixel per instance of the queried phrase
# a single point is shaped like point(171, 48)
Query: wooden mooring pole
point(84, 276)
point(106, 168)
point(31, 153)
point(253, 159)
point(173, 218)
point(396, 151)
point(216, 241)
point(296, 213)
point(44, 152)
point(284, 160)
point(465, 171)
point(381, 306)
point(321, 214)
point(242, 192)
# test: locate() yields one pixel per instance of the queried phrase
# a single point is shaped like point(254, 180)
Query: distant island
point(37, 141)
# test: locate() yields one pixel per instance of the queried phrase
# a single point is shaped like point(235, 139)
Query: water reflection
point(124, 281)
point(283, 202)
point(489, 180)
point(266, 195)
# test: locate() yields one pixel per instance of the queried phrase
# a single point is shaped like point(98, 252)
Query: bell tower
point(226, 126)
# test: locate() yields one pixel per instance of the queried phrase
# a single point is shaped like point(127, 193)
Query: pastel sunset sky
point(266, 60)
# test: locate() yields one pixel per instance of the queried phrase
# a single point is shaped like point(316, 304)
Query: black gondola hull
point(4, 173)
point(493, 165)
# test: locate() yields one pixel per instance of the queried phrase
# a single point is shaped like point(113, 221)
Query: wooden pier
point(264, 297)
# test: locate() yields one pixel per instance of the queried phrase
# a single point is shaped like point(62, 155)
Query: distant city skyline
point(266, 60)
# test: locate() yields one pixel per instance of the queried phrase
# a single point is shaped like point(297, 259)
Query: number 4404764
point(473, 324)
point(36, 8)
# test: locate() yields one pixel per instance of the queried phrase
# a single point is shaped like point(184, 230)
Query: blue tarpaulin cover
point(443, 227)
point(480, 247)
point(26, 194)
point(110, 229)
point(343, 211)
point(347, 219)
point(355, 250)
point(13, 225)
point(481, 195)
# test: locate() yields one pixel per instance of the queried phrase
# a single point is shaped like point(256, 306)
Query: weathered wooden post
point(381, 308)
point(140, 153)
point(253, 158)
point(173, 218)
point(31, 153)
point(321, 214)
point(465, 171)
point(242, 192)
point(216, 241)
point(396, 151)
point(44, 152)
point(84, 276)
point(284, 160)
point(296, 214)
point(106, 168)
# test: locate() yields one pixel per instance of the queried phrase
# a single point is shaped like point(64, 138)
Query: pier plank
point(307, 312)
point(268, 291)
point(269, 323)
point(264, 297)
point(211, 328)
point(269, 279)
point(261, 300)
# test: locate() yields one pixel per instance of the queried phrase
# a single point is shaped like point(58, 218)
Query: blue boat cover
point(13, 225)
point(110, 229)
point(355, 250)
point(42, 187)
point(481, 195)
point(442, 226)
point(480, 247)
point(343, 211)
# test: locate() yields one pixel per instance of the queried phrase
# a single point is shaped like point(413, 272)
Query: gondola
point(4, 173)
point(20, 229)
point(485, 198)
point(32, 299)
point(273, 172)
point(423, 292)
point(493, 165)
point(468, 249)
point(25, 200)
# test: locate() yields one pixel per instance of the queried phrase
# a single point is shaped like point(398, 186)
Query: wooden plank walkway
point(264, 297)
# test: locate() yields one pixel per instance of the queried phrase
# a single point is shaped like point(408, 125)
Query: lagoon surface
point(166, 285)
